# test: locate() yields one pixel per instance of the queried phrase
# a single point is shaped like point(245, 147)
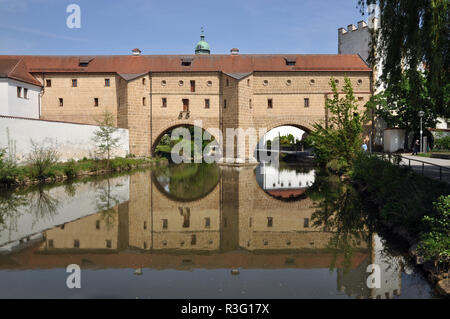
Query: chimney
point(351, 27)
point(136, 51)
point(234, 51)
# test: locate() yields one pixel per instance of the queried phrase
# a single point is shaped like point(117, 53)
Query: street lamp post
point(421, 114)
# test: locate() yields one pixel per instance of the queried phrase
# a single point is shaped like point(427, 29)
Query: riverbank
point(413, 207)
point(26, 175)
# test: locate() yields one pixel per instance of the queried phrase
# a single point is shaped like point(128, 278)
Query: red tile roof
point(15, 68)
point(129, 64)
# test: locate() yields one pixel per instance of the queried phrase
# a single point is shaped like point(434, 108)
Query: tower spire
point(202, 46)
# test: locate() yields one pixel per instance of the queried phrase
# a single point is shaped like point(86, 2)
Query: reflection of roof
point(33, 258)
point(286, 193)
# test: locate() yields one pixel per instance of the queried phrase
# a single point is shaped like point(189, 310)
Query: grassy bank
point(11, 176)
point(412, 206)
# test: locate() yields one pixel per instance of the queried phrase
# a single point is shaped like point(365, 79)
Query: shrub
point(435, 244)
point(8, 170)
point(70, 169)
point(442, 143)
point(42, 158)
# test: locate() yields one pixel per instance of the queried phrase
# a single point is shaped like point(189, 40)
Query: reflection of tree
point(10, 203)
point(70, 189)
point(188, 181)
point(339, 209)
point(42, 205)
point(106, 203)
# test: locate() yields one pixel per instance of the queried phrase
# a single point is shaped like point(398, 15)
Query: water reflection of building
point(236, 224)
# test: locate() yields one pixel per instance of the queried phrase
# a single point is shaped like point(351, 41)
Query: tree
point(414, 35)
point(395, 105)
point(338, 143)
point(104, 137)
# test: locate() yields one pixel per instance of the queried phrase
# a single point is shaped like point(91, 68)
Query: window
point(312, 82)
point(25, 93)
point(143, 101)
point(61, 101)
point(50, 243)
point(165, 223)
point(185, 105)
point(143, 81)
point(96, 101)
point(107, 82)
point(209, 83)
point(228, 82)
point(206, 103)
point(19, 91)
point(306, 102)
point(108, 243)
point(163, 82)
point(164, 102)
point(360, 82)
point(207, 222)
point(269, 221)
point(97, 224)
point(180, 83)
point(288, 82)
point(192, 86)
point(248, 82)
point(250, 103)
point(48, 83)
point(306, 223)
point(225, 104)
point(269, 103)
point(265, 82)
point(193, 239)
point(74, 83)
point(76, 243)
point(145, 225)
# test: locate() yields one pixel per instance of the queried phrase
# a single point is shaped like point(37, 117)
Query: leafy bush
point(8, 170)
point(70, 169)
point(442, 143)
point(42, 158)
point(435, 244)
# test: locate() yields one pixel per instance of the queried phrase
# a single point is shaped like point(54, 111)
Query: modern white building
point(19, 90)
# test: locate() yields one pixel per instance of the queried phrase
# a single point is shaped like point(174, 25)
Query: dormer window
point(186, 61)
point(290, 60)
point(84, 61)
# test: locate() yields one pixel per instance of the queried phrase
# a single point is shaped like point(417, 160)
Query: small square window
point(269, 221)
point(108, 243)
point(61, 101)
point(143, 101)
point(76, 243)
point(25, 93)
point(248, 82)
point(143, 81)
point(107, 82)
point(50, 243)
point(19, 91)
point(269, 103)
point(165, 223)
point(193, 239)
point(96, 101)
point(164, 102)
point(306, 102)
point(48, 83)
point(192, 86)
point(206, 103)
point(207, 222)
point(97, 224)
point(74, 83)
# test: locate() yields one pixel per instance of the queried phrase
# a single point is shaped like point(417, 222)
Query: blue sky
point(173, 27)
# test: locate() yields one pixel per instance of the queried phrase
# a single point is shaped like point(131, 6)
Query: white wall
point(12, 105)
point(394, 139)
point(71, 140)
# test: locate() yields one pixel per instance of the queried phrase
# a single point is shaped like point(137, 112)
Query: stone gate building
point(151, 94)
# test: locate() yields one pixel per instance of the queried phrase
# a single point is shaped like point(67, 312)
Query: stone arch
point(171, 125)
point(302, 124)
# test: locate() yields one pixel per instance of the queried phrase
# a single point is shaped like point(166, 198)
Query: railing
point(398, 159)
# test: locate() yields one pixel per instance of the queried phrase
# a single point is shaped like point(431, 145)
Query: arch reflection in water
point(286, 182)
point(187, 182)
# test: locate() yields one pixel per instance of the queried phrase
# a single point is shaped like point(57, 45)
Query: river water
point(197, 231)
